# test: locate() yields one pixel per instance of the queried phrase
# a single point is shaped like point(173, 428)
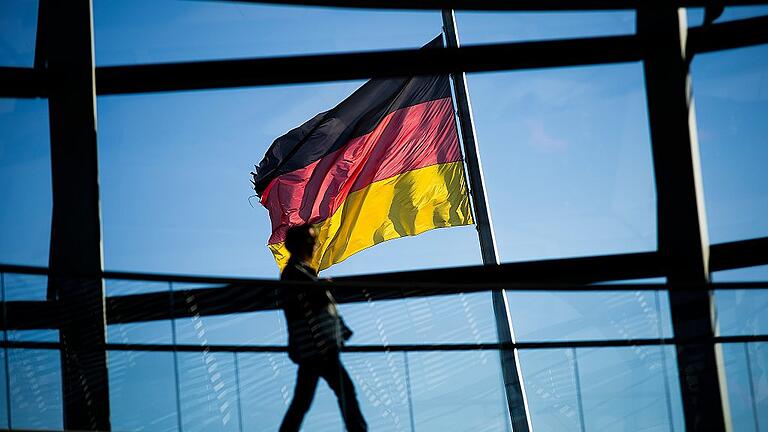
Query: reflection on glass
point(628, 389)
point(567, 160)
point(44, 335)
point(585, 315)
point(35, 389)
point(150, 332)
point(742, 312)
point(458, 391)
point(208, 392)
point(550, 385)
point(121, 287)
point(18, 287)
point(267, 382)
point(603, 389)
point(18, 26)
point(252, 328)
point(257, 328)
point(25, 177)
point(731, 106)
point(266, 386)
point(462, 318)
point(746, 368)
point(142, 391)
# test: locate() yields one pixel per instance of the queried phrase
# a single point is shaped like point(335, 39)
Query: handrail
point(445, 347)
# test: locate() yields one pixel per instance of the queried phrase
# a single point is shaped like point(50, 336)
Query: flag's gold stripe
point(404, 205)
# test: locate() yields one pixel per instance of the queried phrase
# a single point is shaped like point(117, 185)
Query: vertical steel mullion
point(663, 349)
point(239, 394)
point(750, 380)
point(517, 403)
point(409, 394)
point(577, 382)
point(76, 246)
point(681, 218)
point(174, 341)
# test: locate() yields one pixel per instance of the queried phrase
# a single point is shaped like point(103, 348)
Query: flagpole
point(510, 361)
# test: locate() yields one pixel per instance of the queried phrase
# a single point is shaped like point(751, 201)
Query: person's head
point(300, 241)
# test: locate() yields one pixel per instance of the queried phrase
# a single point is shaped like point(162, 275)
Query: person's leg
point(306, 383)
point(340, 382)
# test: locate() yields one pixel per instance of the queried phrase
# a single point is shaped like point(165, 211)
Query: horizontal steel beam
point(426, 347)
point(337, 67)
point(29, 315)
point(31, 83)
point(738, 254)
point(238, 295)
point(22, 83)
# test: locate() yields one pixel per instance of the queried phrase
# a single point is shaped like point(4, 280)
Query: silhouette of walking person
point(316, 333)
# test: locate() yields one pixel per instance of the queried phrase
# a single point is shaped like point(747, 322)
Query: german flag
point(383, 164)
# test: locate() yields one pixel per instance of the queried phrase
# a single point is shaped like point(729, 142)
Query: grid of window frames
point(423, 358)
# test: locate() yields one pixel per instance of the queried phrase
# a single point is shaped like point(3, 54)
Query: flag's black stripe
point(357, 115)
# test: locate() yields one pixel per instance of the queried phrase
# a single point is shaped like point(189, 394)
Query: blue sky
point(567, 162)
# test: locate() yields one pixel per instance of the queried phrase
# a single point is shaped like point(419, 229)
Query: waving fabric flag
point(383, 164)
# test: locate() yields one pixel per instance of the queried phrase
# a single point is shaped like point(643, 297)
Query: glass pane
point(629, 389)
point(25, 287)
point(380, 379)
point(458, 391)
point(25, 178)
point(266, 387)
point(175, 185)
point(731, 105)
point(491, 27)
point(747, 274)
point(120, 287)
point(567, 160)
point(209, 392)
point(170, 31)
point(742, 312)
point(18, 27)
point(35, 383)
point(581, 316)
point(150, 332)
point(258, 328)
point(747, 382)
point(550, 385)
point(451, 319)
point(142, 391)
point(19, 287)
point(603, 389)
point(4, 390)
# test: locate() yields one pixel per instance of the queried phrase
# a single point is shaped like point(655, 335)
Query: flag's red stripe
point(407, 139)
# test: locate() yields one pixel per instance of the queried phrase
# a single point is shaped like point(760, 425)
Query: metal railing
point(200, 302)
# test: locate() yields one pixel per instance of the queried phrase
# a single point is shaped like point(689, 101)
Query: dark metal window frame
point(63, 57)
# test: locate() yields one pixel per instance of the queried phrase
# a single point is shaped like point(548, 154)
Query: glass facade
point(570, 157)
